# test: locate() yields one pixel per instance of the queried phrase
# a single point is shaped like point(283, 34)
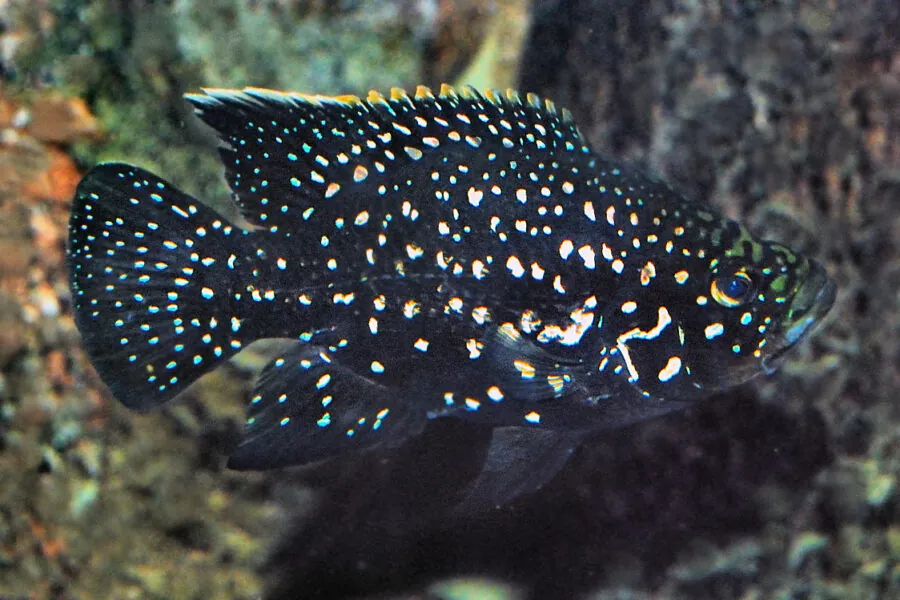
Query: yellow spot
point(681, 276)
point(648, 272)
point(557, 382)
point(526, 369)
point(360, 173)
point(332, 189)
point(413, 153)
point(411, 309)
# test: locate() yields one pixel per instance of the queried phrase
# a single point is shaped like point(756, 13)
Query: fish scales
point(460, 254)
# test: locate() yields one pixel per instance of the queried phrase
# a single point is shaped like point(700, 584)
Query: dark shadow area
point(646, 492)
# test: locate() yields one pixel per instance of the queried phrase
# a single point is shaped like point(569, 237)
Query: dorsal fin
point(292, 157)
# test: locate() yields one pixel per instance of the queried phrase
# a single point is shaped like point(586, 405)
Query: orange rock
point(61, 120)
point(56, 182)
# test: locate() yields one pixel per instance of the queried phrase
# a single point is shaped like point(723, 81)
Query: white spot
point(376, 367)
point(361, 218)
point(533, 417)
point(478, 269)
point(672, 368)
point(611, 215)
point(714, 330)
point(567, 187)
point(558, 285)
point(522, 195)
point(589, 211)
point(414, 251)
point(629, 307)
point(411, 309)
point(515, 266)
point(566, 248)
point(537, 272)
point(664, 319)
point(618, 266)
point(421, 345)
point(588, 256)
point(494, 393)
point(373, 325)
point(475, 196)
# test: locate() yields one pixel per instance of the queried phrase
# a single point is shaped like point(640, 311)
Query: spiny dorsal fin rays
point(291, 158)
point(256, 95)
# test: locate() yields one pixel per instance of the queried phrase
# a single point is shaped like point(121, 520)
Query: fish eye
point(732, 290)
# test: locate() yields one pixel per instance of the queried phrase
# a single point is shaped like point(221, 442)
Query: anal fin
point(519, 461)
point(307, 407)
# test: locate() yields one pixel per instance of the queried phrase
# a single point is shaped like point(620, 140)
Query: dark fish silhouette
point(464, 254)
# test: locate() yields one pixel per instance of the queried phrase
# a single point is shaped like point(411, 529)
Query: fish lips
point(810, 304)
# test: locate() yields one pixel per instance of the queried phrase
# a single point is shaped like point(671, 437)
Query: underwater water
point(630, 453)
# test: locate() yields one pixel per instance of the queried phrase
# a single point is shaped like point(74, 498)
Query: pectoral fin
point(307, 406)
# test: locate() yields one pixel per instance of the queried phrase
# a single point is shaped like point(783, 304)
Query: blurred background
point(782, 113)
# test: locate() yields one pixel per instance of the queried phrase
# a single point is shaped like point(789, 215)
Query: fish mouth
point(810, 304)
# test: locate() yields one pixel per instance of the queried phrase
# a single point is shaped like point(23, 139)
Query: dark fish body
point(463, 254)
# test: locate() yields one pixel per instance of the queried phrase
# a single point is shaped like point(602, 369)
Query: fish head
point(722, 309)
point(752, 305)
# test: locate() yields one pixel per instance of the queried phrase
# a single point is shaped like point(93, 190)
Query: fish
point(461, 254)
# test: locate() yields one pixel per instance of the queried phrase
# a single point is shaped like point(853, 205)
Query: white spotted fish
point(455, 255)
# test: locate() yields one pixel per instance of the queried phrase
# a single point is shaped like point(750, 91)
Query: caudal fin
point(152, 273)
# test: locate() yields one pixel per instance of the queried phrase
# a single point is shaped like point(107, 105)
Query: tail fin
point(152, 274)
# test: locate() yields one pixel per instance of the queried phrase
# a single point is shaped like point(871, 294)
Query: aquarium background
point(784, 114)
